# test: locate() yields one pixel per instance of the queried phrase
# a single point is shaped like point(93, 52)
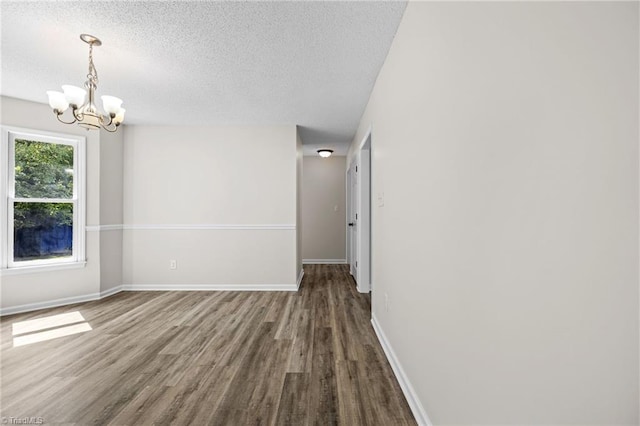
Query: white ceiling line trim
point(181, 227)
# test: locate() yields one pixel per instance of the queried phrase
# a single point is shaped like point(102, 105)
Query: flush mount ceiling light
point(324, 153)
point(85, 113)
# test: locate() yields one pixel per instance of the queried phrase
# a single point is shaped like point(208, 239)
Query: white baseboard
point(361, 289)
point(299, 279)
point(324, 261)
point(49, 304)
point(209, 287)
point(414, 403)
point(110, 292)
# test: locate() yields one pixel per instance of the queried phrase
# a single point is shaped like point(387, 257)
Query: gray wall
point(506, 146)
point(323, 210)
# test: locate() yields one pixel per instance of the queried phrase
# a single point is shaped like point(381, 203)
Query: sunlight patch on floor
point(47, 328)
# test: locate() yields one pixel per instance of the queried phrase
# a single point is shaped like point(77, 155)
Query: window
point(42, 200)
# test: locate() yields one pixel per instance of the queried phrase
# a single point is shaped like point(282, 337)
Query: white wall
point(203, 177)
point(33, 288)
point(323, 189)
point(505, 142)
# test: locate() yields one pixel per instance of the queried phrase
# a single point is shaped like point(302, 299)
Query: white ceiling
point(181, 63)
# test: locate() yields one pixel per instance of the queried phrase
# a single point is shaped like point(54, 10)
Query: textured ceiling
point(307, 63)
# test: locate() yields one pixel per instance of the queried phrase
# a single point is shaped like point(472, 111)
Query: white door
point(353, 219)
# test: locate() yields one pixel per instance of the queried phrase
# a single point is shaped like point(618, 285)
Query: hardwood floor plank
point(300, 360)
point(323, 402)
point(350, 394)
point(293, 406)
point(233, 409)
point(200, 394)
point(382, 390)
point(263, 405)
point(288, 322)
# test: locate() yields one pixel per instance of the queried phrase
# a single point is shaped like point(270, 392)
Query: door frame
point(351, 248)
point(361, 165)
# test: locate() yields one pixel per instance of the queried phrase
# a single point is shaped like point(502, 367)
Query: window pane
point(42, 231)
point(43, 170)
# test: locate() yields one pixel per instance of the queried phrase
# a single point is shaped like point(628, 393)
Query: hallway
point(223, 358)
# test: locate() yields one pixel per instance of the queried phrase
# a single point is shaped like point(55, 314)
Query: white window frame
point(7, 198)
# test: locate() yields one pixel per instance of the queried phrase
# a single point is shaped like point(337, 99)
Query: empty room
point(320, 212)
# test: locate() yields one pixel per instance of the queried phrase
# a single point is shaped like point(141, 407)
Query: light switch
point(380, 199)
point(335, 208)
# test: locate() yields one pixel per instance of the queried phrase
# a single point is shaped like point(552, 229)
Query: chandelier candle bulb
point(111, 104)
point(119, 116)
point(57, 101)
point(75, 95)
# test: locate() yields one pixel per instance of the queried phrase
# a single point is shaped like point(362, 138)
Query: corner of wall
point(299, 201)
point(111, 209)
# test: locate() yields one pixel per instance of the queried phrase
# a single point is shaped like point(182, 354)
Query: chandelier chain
point(93, 73)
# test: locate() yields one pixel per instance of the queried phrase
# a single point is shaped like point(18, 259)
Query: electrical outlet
point(386, 302)
point(173, 264)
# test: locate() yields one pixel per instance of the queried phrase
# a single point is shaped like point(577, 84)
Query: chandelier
point(85, 113)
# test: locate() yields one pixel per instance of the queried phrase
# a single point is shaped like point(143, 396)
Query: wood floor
point(196, 358)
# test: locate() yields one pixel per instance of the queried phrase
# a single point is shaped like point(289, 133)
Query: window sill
point(42, 268)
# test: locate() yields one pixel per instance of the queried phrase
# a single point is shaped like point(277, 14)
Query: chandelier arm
point(59, 114)
point(108, 127)
point(78, 115)
point(103, 120)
